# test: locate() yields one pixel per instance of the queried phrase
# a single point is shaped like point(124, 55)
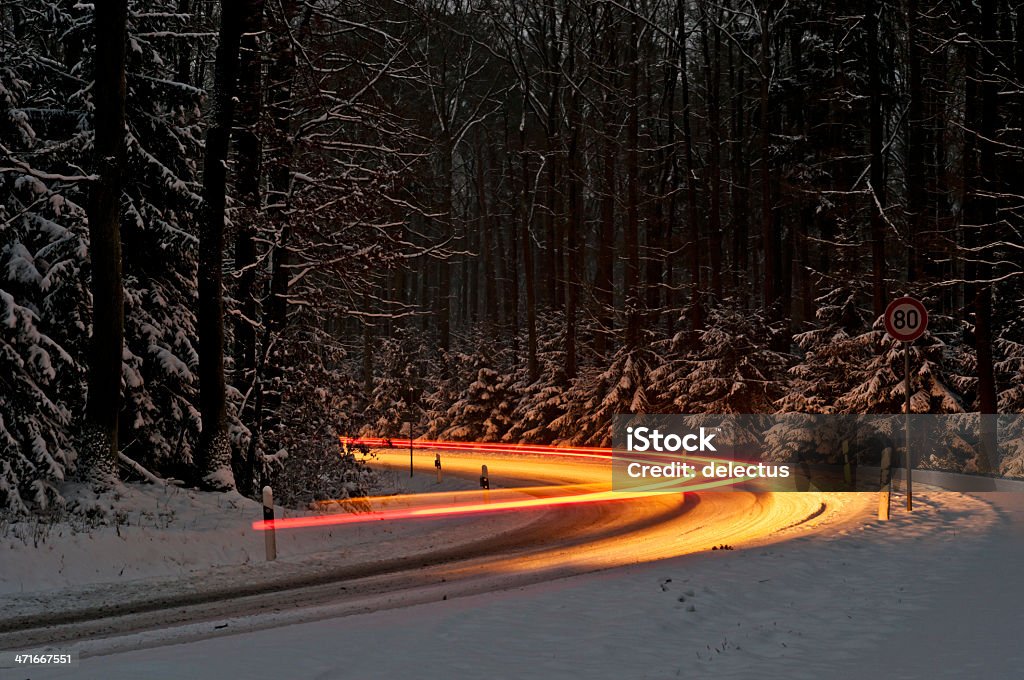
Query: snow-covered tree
point(539, 407)
point(483, 412)
point(599, 394)
point(396, 387)
point(734, 368)
point(939, 374)
point(1011, 400)
point(43, 236)
point(43, 190)
point(847, 367)
point(160, 419)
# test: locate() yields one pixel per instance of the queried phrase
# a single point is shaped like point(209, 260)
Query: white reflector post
point(268, 516)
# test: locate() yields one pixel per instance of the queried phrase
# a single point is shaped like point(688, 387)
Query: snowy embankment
point(934, 594)
point(170, 534)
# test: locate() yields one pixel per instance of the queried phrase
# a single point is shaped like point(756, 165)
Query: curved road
point(557, 541)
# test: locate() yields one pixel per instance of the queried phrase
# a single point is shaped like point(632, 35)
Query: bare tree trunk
point(915, 185)
point(989, 222)
point(877, 194)
point(769, 237)
point(529, 283)
point(604, 266)
point(533, 369)
point(444, 293)
point(573, 229)
point(739, 213)
point(214, 452)
point(692, 215)
point(498, 260)
point(508, 267)
point(605, 272)
point(249, 159)
point(367, 325)
point(99, 437)
point(712, 78)
point(632, 240)
point(978, 207)
point(280, 77)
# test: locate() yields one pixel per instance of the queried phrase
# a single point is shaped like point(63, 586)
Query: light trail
point(447, 510)
point(604, 495)
point(482, 447)
point(603, 454)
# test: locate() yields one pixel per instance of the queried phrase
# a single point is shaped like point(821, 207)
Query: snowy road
point(553, 543)
point(930, 595)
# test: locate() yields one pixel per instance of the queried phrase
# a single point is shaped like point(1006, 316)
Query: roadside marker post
point(437, 465)
point(906, 320)
point(269, 539)
point(485, 483)
point(848, 473)
point(407, 426)
point(886, 484)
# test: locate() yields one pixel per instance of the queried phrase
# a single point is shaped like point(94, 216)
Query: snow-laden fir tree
point(849, 367)
point(733, 369)
point(473, 391)
point(43, 237)
point(47, 136)
point(483, 410)
point(597, 395)
point(396, 387)
point(542, 402)
point(940, 373)
point(160, 424)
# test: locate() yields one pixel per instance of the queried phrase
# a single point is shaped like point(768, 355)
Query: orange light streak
point(468, 509)
point(488, 447)
point(445, 510)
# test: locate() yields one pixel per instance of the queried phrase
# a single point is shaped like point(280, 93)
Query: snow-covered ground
point(171, 533)
point(935, 594)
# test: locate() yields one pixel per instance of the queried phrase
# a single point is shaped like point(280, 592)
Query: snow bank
point(164, 531)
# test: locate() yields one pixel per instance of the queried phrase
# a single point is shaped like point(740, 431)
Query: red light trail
point(486, 447)
point(443, 510)
point(605, 495)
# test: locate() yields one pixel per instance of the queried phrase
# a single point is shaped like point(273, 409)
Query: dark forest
point(232, 232)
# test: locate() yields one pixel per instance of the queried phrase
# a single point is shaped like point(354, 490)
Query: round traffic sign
point(906, 319)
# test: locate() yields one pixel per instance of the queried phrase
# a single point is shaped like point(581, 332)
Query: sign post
point(906, 320)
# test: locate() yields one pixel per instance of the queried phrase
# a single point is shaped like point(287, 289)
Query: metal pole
point(410, 448)
point(906, 431)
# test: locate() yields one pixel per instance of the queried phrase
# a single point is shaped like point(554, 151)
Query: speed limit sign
point(906, 319)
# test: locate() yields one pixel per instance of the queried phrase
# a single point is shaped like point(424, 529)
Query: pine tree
point(733, 370)
point(598, 395)
point(483, 411)
point(44, 298)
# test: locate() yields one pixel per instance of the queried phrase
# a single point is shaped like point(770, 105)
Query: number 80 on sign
point(906, 319)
